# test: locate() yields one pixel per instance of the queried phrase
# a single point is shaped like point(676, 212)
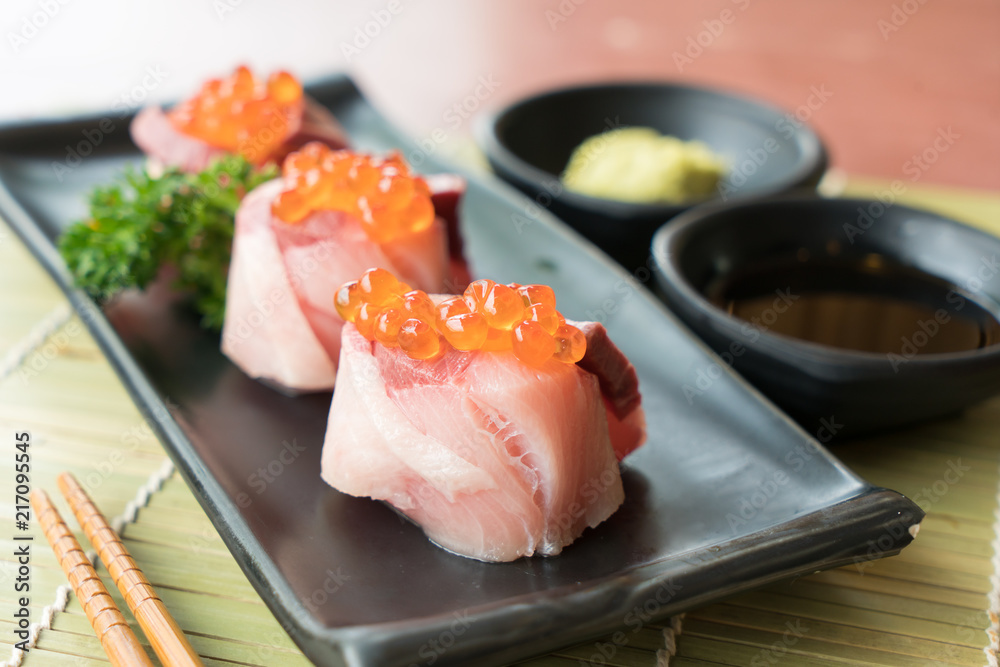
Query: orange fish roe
point(488, 317)
point(418, 339)
point(242, 114)
point(380, 192)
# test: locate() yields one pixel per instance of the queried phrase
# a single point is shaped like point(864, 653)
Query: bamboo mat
point(927, 606)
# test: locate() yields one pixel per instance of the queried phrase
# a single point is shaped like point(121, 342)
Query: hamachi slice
point(281, 324)
point(446, 195)
point(492, 458)
point(166, 146)
point(619, 386)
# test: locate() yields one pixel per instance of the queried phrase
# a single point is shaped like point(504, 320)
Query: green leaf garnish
point(141, 223)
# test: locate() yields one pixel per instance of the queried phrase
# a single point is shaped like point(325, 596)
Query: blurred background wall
point(879, 79)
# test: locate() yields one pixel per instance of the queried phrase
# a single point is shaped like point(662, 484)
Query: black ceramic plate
point(727, 494)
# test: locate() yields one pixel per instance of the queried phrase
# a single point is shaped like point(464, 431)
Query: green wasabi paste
point(639, 165)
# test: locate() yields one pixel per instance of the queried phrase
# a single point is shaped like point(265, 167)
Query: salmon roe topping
point(488, 317)
point(418, 339)
point(241, 114)
point(532, 344)
point(380, 192)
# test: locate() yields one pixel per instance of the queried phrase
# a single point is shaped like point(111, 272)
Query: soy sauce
point(870, 305)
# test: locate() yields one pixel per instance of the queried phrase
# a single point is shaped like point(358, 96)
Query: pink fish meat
point(281, 325)
point(166, 146)
point(492, 458)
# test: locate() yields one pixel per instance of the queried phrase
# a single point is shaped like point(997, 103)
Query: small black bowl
point(529, 143)
point(710, 256)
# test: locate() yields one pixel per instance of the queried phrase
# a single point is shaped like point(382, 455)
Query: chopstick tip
point(38, 496)
point(66, 480)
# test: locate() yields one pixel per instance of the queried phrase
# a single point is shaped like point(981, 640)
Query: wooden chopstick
point(161, 629)
point(116, 637)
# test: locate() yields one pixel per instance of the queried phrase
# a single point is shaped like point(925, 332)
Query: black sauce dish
point(852, 315)
point(528, 144)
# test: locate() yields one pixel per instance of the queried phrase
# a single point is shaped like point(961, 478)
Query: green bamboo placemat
point(935, 604)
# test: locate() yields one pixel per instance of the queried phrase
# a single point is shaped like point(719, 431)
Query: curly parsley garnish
point(141, 223)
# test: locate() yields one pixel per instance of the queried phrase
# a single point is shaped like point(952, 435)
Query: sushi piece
point(263, 121)
point(485, 419)
point(332, 215)
point(446, 195)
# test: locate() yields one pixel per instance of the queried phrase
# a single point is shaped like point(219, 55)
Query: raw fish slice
point(492, 458)
point(446, 195)
point(420, 260)
point(313, 258)
point(330, 247)
point(265, 331)
point(154, 134)
point(157, 137)
point(318, 124)
point(619, 386)
point(628, 432)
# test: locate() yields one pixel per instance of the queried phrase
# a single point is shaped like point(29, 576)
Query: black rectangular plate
point(728, 493)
